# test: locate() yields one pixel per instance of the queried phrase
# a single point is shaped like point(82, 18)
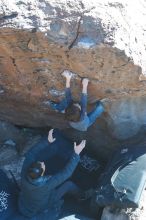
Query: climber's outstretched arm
point(85, 82)
point(68, 75)
point(68, 97)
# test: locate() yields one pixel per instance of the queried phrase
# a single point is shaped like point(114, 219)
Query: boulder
point(103, 40)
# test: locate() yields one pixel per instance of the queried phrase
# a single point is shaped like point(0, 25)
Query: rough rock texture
point(14, 143)
point(102, 40)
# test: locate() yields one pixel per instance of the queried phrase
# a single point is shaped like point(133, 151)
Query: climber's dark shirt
point(85, 119)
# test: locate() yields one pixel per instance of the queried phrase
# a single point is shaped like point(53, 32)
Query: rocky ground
point(16, 141)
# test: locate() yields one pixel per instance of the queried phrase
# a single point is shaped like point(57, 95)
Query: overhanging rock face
point(102, 40)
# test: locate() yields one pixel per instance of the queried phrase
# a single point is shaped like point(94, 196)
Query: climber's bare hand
point(50, 136)
point(78, 148)
point(67, 74)
point(85, 82)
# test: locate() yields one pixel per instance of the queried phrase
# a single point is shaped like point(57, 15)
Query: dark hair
point(35, 170)
point(72, 112)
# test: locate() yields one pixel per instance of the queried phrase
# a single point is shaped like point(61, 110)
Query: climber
point(76, 113)
point(43, 193)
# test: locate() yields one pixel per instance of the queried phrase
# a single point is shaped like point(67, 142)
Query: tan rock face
point(40, 39)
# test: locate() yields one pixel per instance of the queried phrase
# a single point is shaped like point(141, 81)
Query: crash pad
point(124, 179)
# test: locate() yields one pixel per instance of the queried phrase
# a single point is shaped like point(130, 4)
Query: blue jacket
point(39, 195)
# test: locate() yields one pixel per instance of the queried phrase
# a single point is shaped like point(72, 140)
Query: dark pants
point(67, 187)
